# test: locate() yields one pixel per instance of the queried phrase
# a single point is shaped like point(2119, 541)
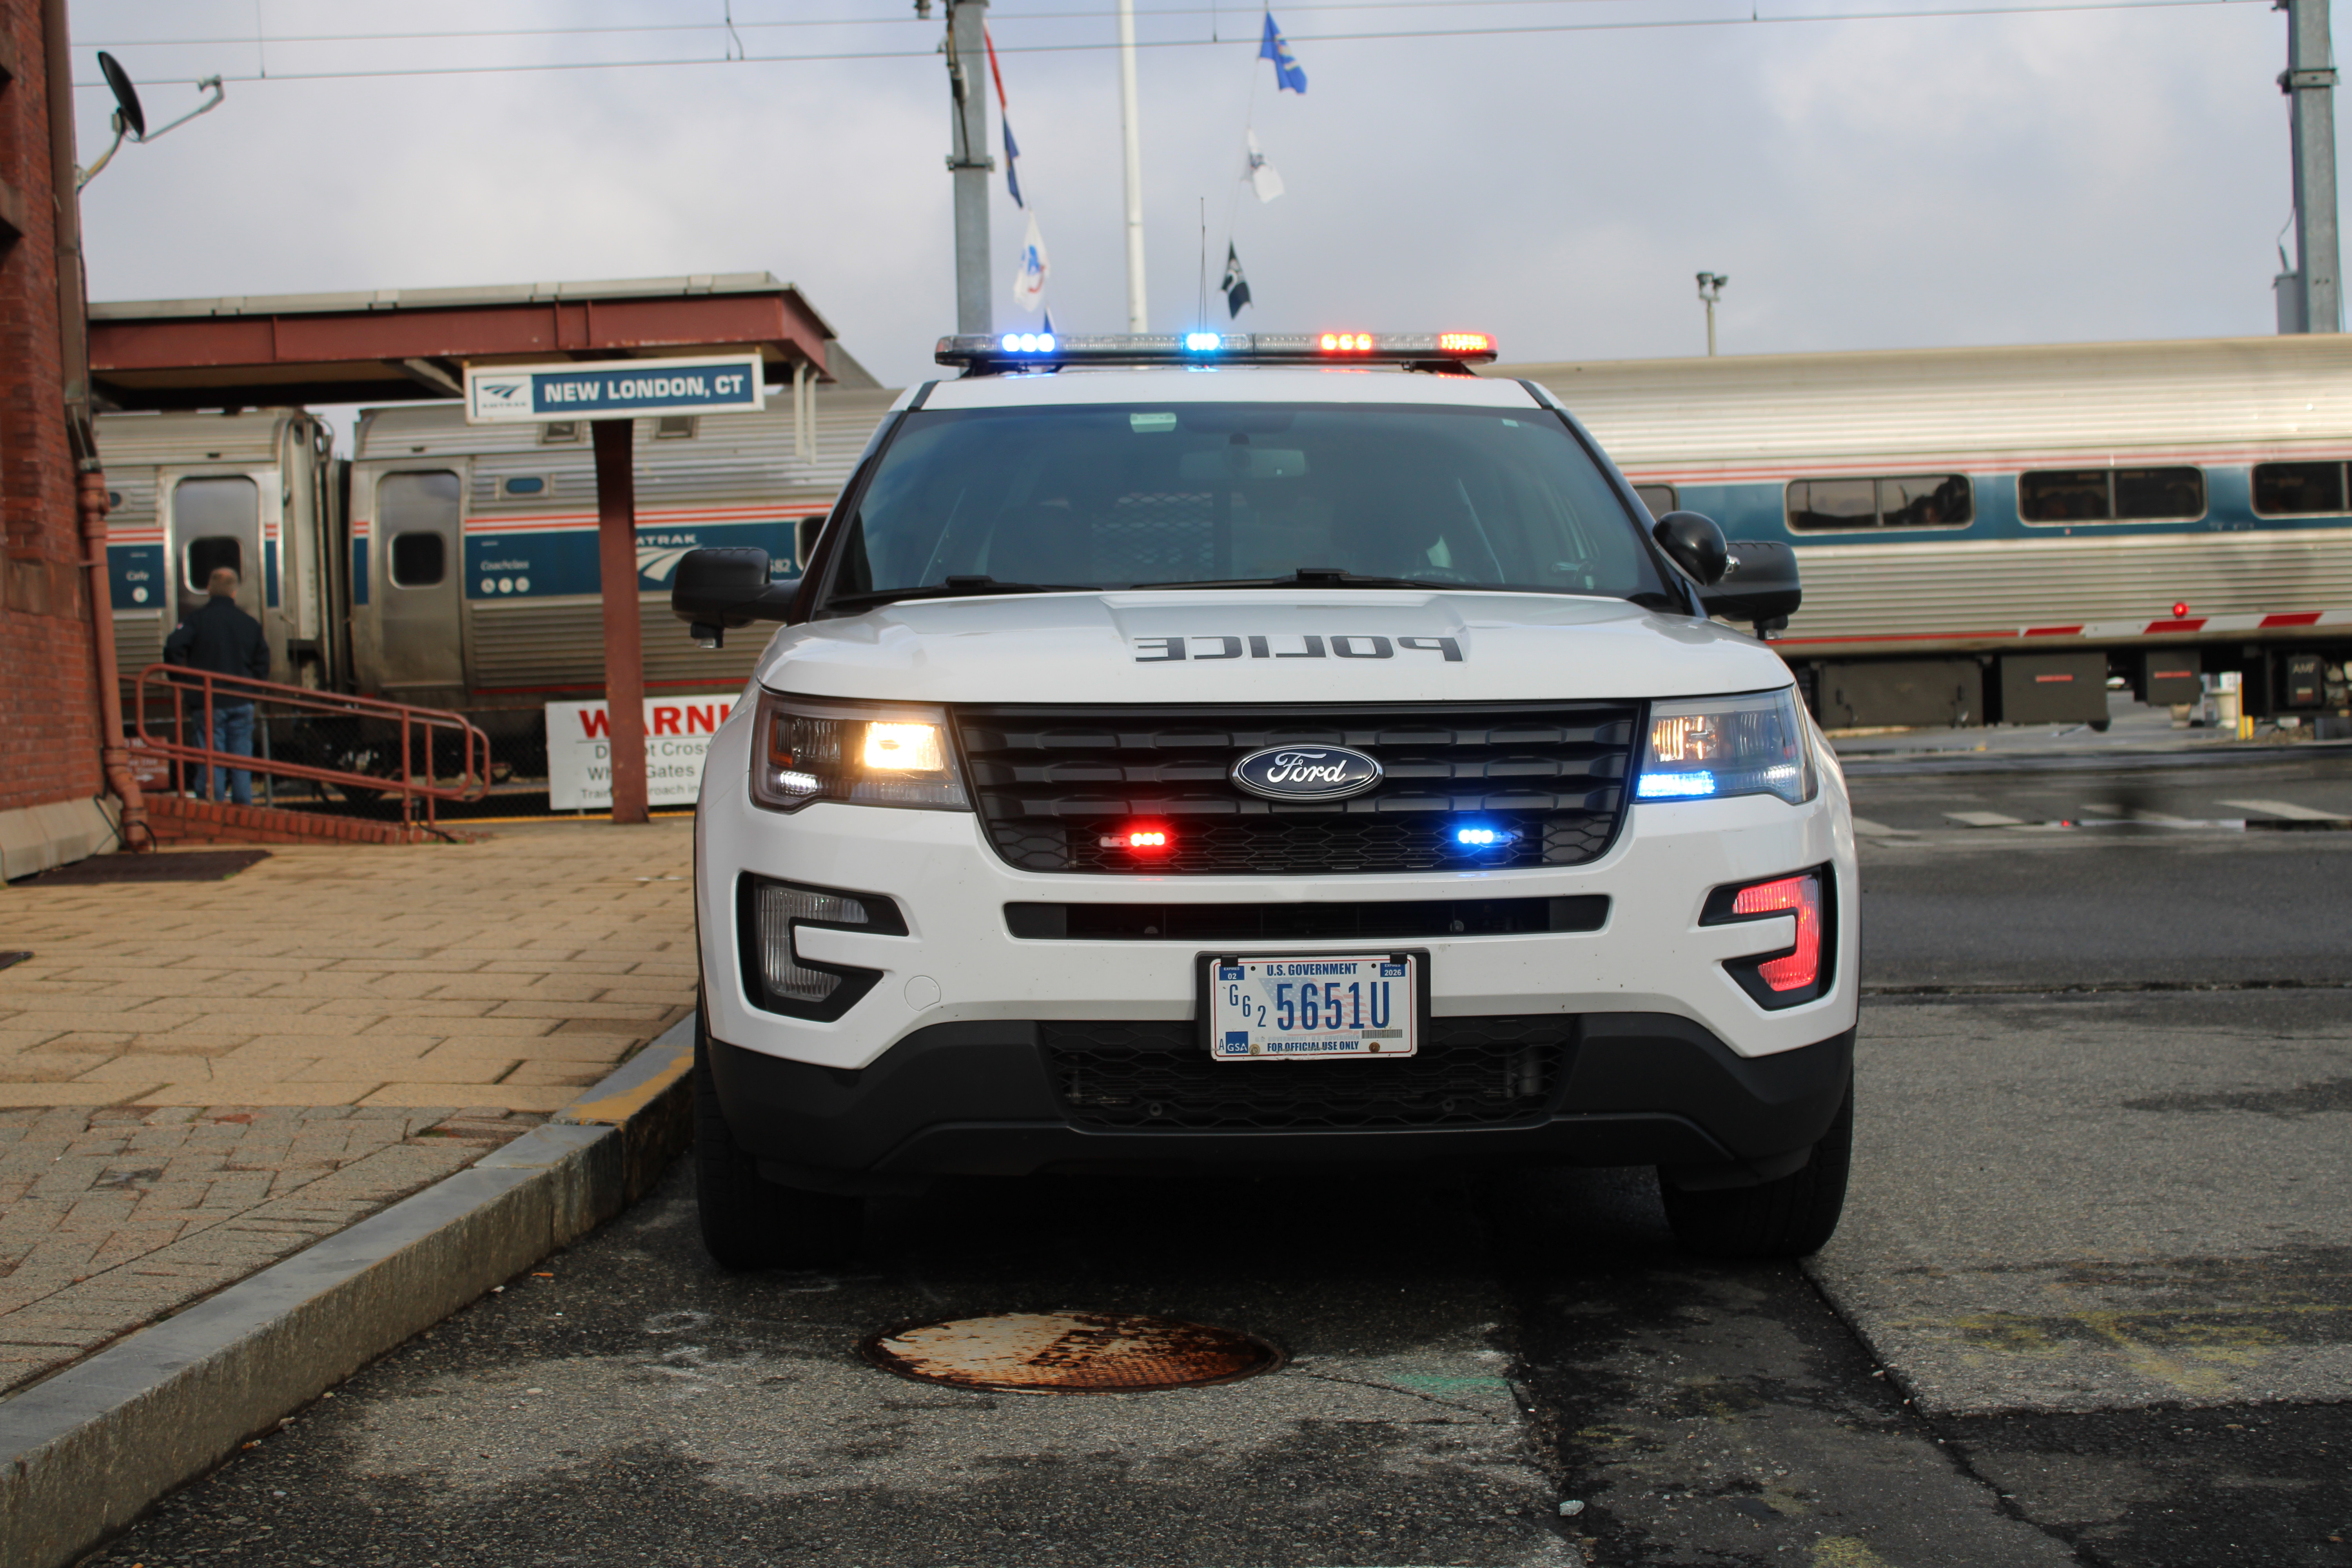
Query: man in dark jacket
point(223, 639)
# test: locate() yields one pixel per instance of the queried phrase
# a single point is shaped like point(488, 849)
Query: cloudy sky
point(1553, 171)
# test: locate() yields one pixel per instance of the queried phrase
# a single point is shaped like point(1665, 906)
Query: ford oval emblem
point(1307, 772)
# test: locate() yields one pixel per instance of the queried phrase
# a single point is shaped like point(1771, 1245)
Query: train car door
point(212, 521)
point(420, 599)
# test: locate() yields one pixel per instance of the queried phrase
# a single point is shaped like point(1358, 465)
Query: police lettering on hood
point(1294, 644)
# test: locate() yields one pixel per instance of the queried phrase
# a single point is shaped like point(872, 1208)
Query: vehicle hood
point(1265, 646)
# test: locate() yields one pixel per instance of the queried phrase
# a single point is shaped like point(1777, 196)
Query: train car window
point(674, 428)
point(418, 560)
point(2067, 495)
point(2111, 495)
point(1659, 499)
point(207, 556)
point(1833, 503)
point(558, 432)
point(213, 515)
point(1925, 501)
point(2160, 492)
point(524, 485)
point(2286, 490)
point(1906, 500)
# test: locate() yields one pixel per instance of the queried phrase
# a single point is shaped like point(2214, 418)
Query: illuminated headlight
point(810, 750)
point(1711, 748)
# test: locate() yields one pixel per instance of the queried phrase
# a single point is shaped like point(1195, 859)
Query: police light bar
point(980, 354)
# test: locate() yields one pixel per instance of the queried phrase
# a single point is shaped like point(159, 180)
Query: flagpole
point(1134, 139)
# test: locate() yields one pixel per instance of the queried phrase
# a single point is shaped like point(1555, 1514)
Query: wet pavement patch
point(2264, 1484)
point(189, 866)
point(1069, 1353)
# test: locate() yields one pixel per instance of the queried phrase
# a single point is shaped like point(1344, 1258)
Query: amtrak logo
point(1307, 772)
point(658, 563)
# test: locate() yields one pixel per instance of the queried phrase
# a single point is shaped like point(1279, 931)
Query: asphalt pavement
point(2092, 1301)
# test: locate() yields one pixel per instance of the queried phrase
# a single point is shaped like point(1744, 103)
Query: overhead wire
point(2041, 7)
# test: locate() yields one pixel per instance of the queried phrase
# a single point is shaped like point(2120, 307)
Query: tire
point(1791, 1218)
point(2100, 726)
point(748, 1222)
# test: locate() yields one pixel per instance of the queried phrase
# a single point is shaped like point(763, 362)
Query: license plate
point(1309, 1008)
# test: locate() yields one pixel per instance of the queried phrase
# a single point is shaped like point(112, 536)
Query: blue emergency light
point(1692, 785)
point(1480, 836)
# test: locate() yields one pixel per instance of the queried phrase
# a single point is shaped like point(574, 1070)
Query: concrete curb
point(85, 1453)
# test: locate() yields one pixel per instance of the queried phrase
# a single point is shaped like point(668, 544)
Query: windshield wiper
point(960, 587)
point(1315, 577)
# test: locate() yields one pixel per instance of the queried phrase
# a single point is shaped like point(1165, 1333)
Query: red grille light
point(1142, 837)
point(1802, 897)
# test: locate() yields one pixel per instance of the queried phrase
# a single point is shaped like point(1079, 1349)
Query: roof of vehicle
point(1226, 383)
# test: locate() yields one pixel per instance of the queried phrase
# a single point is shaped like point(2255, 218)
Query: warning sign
point(678, 732)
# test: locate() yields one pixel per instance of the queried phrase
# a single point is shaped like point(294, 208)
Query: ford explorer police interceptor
point(1281, 753)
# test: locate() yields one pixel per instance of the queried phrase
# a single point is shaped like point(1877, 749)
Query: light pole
point(2310, 298)
point(970, 162)
point(1710, 289)
point(1131, 138)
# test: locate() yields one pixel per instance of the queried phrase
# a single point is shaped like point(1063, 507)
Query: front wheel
point(1790, 1217)
point(748, 1221)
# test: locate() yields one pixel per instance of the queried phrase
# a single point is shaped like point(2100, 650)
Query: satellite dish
point(126, 97)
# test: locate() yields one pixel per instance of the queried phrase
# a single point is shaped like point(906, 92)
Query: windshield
point(1119, 496)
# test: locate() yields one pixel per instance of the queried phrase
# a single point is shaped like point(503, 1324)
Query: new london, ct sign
point(612, 389)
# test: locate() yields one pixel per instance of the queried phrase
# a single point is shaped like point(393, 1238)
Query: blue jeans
point(232, 734)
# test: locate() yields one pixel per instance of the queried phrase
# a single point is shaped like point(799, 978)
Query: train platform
point(2133, 729)
point(199, 1078)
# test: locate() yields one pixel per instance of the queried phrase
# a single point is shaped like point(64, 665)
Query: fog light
point(779, 905)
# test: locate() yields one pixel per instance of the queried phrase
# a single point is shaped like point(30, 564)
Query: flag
point(1263, 178)
point(1029, 277)
point(1051, 330)
point(1285, 66)
point(1005, 119)
point(1235, 286)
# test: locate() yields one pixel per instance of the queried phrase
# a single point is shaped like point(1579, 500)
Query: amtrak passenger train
point(1985, 535)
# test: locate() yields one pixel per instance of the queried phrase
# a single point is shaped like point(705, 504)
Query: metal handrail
point(185, 691)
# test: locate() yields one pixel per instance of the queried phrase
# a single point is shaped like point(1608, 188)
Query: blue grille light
point(1483, 837)
point(1202, 343)
point(1676, 786)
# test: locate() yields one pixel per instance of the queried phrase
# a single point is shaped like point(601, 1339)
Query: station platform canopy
point(390, 345)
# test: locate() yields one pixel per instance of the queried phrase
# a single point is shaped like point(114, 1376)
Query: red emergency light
point(1800, 896)
point(1346, 343)
point(1141, 838)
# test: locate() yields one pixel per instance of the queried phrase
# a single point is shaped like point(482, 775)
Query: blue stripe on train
point(1758, 512)
point(563, 561)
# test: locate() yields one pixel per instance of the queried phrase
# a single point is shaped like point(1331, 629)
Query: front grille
point(1382, 921)
point(1150, 1077)
point(1051, 782)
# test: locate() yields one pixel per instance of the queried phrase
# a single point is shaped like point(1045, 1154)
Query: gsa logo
point(1307, 772)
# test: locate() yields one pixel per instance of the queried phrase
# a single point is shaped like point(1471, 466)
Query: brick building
point(50, 777)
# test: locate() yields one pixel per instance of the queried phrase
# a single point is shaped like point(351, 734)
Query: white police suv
point(1290, 752)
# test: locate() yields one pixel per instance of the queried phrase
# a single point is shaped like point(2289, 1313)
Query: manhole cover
point(1069, 1353)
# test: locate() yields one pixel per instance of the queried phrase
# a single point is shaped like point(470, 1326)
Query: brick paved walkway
point(198, 1078)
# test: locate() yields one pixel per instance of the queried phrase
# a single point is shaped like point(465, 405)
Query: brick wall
point(48, 693)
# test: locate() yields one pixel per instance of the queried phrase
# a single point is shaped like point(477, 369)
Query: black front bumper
point(980, 1098)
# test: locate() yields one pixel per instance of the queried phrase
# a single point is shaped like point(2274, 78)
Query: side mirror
point(716, 589)
point(1759, 585)
point(1693, 542)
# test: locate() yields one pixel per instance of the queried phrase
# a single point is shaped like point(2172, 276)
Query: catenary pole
point(1133, 135)
point(2310, 87)
point(970, 164)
